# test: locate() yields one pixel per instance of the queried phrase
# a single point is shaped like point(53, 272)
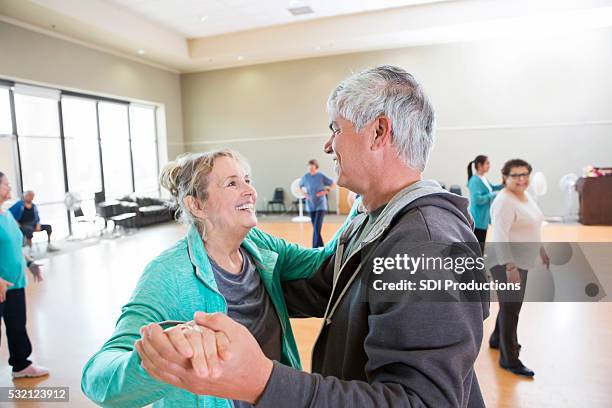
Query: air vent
point(300, 11)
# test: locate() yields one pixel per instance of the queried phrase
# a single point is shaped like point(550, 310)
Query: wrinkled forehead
point(226, 167)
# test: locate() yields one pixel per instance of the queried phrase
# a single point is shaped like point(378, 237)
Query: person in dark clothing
point(26, 214)
point(317, 186)
point(415, 352)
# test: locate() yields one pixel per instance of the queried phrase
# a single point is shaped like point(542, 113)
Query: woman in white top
point(515, 218)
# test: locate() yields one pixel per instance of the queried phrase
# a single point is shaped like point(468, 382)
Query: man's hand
point(4, 285)
point(244, 368)
point(37, 228)
point(226, 362)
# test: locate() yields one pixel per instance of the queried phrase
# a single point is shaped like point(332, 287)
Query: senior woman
point(224, 264)
point(517, 223)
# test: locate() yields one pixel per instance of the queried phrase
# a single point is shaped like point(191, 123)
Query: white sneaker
point(31, 371)
point(51, 248)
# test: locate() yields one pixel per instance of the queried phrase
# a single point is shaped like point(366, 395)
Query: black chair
point(99, 197)
point(278, 201)
point(455, 189)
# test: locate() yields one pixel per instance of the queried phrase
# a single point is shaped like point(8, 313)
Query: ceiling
point(203, 18)
point(199, 35)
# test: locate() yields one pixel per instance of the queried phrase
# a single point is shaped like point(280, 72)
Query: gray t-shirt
point(248, 303)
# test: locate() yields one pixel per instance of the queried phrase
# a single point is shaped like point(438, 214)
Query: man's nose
point(327, 147)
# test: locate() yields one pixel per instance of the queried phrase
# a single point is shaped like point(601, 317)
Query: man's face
point(312, 169)
point(29, 197)
point(350, 151)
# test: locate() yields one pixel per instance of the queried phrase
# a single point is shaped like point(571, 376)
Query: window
point(42, 168)
point(6, 123)
point(144, 150)
point(116, 160)
point(84, 144)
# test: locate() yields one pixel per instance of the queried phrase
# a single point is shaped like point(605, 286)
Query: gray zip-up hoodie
point(387, 354)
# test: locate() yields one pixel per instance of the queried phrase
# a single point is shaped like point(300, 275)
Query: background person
point(316, 185)
point(482, 194)
point(26, 214)
point(12, 290)
point(516, 218)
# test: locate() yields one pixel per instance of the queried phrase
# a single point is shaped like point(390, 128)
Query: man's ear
point(195, 207)
point(382, 132)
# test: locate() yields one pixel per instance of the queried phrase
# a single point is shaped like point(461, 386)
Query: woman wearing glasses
point(517, 219)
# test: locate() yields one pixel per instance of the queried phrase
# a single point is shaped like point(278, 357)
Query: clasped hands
point(212, 355)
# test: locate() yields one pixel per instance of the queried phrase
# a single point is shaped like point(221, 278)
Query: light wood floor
point(73, 312)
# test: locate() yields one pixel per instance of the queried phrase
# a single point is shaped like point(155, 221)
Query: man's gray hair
point(395, 93)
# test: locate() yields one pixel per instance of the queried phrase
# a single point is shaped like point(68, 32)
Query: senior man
point(374, 353)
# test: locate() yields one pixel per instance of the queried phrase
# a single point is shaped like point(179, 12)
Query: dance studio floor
point(74, 310)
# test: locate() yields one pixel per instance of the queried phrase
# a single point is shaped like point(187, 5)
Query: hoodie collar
point(399, 201)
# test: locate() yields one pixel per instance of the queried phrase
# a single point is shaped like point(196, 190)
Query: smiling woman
point(224, 265)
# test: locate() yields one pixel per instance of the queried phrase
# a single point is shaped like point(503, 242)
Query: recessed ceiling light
point(300, 10)
point(203, 18)
point(141, 51)
point(294, 3)
point(240, 58)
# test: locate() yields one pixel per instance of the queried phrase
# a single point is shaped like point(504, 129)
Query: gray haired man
point(369, 353)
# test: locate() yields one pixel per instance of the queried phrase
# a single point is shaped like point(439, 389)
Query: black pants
point(510, 303)
point(481, 235)
point(316, 217)
point(29, 229)
point(13, 311)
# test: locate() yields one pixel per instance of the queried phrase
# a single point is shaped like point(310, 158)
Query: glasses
point(334, 130)
point(518, 176)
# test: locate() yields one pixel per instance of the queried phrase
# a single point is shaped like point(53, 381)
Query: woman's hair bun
point(168, 178)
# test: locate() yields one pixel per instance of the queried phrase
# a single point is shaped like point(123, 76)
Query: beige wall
point(31, 56)
point(546, 100)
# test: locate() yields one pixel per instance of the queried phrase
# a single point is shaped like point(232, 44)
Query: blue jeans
point(316, 217)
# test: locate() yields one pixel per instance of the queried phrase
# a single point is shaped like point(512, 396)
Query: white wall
point(34, 57)
point(545, 100)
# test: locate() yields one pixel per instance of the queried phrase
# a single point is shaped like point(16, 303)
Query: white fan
point(297, 192)
point(72, 201)
point(567, 184)
point(539, 185)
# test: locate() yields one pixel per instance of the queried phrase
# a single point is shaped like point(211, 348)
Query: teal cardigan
point(173, 286)
point(480, 201)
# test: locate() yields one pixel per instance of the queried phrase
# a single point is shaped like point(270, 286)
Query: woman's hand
point(4, 285)
point(187, 350)
point(512, 273)
point(544, 257)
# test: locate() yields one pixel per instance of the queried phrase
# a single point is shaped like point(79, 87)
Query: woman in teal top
point(198, 274)
point(482, 193)
point(12, 290)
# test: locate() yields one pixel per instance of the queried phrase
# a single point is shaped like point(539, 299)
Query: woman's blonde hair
point(189, 175)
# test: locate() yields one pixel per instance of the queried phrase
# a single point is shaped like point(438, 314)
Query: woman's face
point(231, 197)
point(517, 180)
point(5, 189)
point(484, 167)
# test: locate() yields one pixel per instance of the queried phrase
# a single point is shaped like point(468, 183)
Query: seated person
point(26, 214)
